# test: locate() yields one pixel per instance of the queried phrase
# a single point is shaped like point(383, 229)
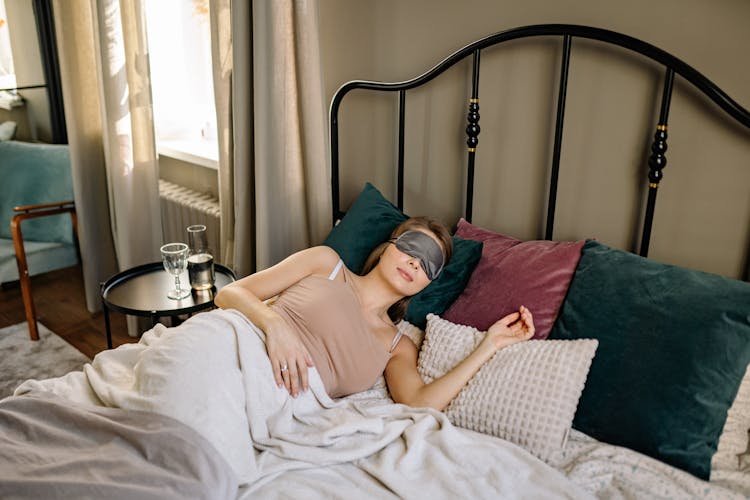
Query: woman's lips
point(406, 275)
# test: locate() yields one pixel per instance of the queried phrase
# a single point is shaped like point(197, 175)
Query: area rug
point(22, 359)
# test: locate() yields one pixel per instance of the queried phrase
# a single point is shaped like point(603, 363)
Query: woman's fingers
point(294, 374)
point(294, 379)
point(278, 372)
point(510, 318)
point(522, 324)
point(286, 378)
point(303, 374)
point(528, 320)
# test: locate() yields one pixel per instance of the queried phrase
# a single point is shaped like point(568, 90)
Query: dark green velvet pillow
point(367, 223)
point(673, 347)
point(370, 221)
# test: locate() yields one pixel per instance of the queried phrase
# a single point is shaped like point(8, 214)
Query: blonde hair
point(397, 311)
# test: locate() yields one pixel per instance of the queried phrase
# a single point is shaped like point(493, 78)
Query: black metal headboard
point(656, 161)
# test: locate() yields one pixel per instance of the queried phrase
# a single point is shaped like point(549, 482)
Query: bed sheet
point(614, 472)
point(407, 452)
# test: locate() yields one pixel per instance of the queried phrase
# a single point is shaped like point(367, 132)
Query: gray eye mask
point(421, 246)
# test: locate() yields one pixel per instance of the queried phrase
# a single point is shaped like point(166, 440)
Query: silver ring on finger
point(284, 368)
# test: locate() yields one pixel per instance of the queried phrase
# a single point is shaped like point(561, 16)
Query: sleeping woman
point(341, 323)
point(199, 400)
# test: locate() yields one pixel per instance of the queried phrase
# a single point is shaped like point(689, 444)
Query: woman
point(343, 324)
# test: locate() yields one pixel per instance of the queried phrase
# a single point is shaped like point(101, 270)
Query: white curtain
point(227, 76)
point(292, 189)
point(128, 130)
point(271, 115)
point(80, 88)
point(106, 90)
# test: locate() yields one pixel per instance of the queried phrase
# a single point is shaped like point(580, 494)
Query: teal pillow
point(674, 345)
point(31, 174)
point(367, 223)
point(370, 221)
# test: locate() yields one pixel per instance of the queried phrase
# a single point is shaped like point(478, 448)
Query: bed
point(634, 386)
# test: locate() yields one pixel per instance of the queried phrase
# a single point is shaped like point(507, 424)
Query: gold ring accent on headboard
point(473, 100)
point(661, 127)
point(471, 150)
point(653, 185)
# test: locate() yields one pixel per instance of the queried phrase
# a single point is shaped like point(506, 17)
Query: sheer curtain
point(273, 173)
point(106, 91)
point(271, 116)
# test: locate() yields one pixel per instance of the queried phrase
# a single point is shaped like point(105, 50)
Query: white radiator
point(182, 207)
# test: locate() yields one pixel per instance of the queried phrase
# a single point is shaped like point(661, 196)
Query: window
point(181, 80)
point(7, 73)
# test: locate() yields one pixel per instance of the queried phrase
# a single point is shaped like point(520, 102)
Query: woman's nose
point(414, 262)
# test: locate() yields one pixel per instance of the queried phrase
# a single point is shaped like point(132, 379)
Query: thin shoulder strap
point(336, 270)
point(395, 340)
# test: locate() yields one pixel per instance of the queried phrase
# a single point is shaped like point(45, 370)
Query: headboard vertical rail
point(400, 175)
point(334, 138)
point(472, 133)
point(657, 161)
point(555, 171)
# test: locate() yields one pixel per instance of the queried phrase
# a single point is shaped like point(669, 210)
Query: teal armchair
point(38, 232)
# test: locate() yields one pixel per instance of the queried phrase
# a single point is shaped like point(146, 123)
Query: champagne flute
point(174, 256)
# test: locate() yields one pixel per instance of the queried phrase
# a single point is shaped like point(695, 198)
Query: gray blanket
point(53, 448)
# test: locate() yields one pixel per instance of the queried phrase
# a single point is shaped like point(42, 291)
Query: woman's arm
point(406, 386)
point(248, 294)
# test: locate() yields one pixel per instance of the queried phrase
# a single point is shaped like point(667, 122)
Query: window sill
point(202, 152)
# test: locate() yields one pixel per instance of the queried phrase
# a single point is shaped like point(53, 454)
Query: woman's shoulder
point(323, 258)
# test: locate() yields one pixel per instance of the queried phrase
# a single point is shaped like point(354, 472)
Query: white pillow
point(526, 393)
point(734, 437)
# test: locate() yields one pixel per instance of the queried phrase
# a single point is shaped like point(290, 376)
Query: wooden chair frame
point(32, 212)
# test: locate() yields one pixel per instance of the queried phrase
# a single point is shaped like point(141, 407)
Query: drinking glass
point(174, 256)
point(200, 263)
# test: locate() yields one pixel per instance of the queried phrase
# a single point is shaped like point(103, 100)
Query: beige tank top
point(328, 318)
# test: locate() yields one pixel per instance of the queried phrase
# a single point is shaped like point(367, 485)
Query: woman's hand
point(289, 359)
point(512, 329)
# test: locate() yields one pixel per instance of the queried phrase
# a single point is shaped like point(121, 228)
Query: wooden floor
point(61, 307)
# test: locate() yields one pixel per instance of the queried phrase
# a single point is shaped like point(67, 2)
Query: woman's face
point(404, 271)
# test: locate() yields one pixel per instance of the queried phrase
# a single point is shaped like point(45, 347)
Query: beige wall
point(27, 60)
point(703, 209)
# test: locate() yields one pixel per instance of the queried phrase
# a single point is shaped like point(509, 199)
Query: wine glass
point(174, 256)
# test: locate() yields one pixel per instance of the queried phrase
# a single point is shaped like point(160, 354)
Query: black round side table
point(142, 291)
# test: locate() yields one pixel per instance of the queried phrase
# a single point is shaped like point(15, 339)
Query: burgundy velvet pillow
point(512, 273)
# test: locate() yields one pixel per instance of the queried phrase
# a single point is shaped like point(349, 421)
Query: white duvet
point(213, 374)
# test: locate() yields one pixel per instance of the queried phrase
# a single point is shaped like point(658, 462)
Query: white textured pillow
point(526, 393)
point(734, 437)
